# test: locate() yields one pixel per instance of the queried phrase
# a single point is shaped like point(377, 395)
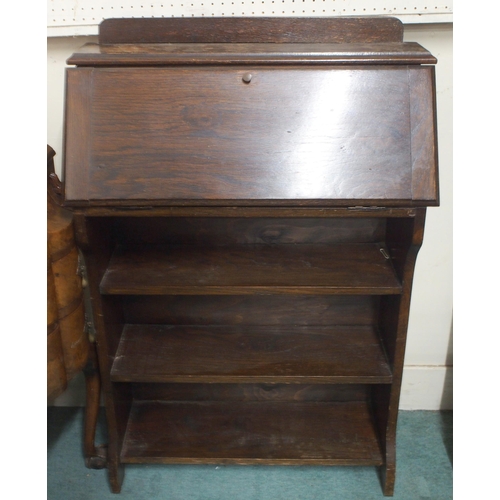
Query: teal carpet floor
point(424, 470)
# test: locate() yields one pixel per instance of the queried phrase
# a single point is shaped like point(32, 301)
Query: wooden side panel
point(404, 239)
point(423, 134)
point(77, 140)
point(250, 30)
point(94, 238)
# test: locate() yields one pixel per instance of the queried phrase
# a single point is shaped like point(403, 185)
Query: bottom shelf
point(286, 433)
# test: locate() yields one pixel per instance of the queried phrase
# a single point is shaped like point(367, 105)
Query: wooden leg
point(116, 474)
point(95, 456)
point(388, 473)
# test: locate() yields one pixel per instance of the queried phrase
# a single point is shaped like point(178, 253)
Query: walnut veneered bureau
point(250, 197)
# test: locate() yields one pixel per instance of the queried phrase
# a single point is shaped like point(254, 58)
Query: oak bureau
point(250, 195)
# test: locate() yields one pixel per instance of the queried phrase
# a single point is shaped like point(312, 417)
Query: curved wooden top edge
point(251, 30)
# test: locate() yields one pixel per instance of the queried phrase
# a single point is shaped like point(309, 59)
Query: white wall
point(427, 379)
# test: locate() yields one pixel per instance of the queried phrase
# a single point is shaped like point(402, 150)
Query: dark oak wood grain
point(250, 197)
point(202, 134)
point(243, 354)
point(222, 231)
point(249, 269)
point(251, 392)
point(300, 310)
point(424, 135)
point(77, 123)
point(251, 30)
point(251, 433)
point(94, 239)
point(152, 208)
point(405, 239)
point(269, 54)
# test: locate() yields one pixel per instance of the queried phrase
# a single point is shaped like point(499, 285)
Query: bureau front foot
point(115, 474)
point(388, 478)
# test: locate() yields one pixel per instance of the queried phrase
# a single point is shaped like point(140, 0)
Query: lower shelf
point(281, 433)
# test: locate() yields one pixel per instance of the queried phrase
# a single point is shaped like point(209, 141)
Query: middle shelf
point(250, 354)
point(251, 269)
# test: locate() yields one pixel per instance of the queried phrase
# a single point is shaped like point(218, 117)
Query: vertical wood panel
point(423, 133)
point(77, 157)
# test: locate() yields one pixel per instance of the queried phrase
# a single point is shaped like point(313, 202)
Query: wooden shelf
point(251, 433)
point(250, 354)
point(250, 269)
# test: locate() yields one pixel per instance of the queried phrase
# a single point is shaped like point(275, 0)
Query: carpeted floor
point(424, 470)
